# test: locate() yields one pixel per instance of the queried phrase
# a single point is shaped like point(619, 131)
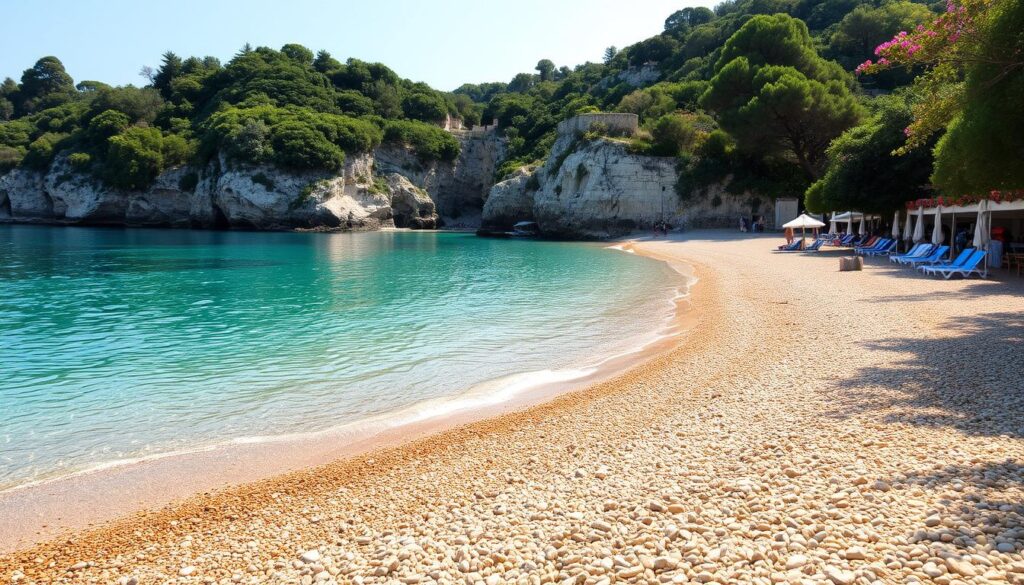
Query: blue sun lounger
point(879, 245)
point(959, 261)
point(918, 251)
point(966, 269)
point(814, 247)
point(887, 248)
point(794, 247)
point(932, 258)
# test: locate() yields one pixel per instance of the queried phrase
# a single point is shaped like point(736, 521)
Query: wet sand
point(813, 426)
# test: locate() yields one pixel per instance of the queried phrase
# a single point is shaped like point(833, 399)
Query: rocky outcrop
point(599, 189)
point(388, 187)
point(412, 206)
point(458, 188)
point(510, 201)
point(221, 195)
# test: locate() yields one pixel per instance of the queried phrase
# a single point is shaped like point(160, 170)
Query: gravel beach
point(813, 427)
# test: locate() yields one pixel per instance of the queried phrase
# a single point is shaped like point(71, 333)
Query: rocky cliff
point(458, 188)
point(598, 189)
point(389, 187)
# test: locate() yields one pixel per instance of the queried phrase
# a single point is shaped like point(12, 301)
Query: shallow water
point(123, 343)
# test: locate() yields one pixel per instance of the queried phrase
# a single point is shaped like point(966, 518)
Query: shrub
point(10, 157)
point(428, 141)
point(300, 146)
point(42, 150)
point(134, 158)
point(80, 160)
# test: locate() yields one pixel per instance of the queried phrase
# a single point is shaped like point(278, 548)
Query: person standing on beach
point(788, 232)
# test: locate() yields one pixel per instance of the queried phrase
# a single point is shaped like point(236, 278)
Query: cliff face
point(217, 196)
point(598, 189)
point(458, 188)
point(387, 188)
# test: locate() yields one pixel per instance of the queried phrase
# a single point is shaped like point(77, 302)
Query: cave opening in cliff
point(220, 221)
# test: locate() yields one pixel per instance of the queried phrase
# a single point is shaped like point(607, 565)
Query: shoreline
point(51, 508)
point(740, 456)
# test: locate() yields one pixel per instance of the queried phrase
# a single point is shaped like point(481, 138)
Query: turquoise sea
point(124, 343)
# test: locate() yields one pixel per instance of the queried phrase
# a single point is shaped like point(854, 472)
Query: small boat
point(525, 229)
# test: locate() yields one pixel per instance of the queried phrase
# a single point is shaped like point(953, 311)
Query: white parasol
point(896, 226)
point(908, 229)
point(981, 226)
point(937, 236)
point(803, 222)
point(919, 226)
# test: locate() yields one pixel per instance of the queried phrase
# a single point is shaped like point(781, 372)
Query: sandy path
point(815, 426)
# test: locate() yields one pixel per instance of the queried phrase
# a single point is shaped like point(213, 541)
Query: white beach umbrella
point(849, 222)
point(803, 222)
point(937, 236)
point(919, 226)
point(832, 224)
point(908, 229)
point(981, 226)
point(863, 225)
point(896, 226)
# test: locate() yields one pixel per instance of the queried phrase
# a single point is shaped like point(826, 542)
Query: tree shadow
point(971, 380)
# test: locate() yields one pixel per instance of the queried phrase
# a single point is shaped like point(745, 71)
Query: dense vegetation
point(759, 95)
point(289, 108)
point(762, 95)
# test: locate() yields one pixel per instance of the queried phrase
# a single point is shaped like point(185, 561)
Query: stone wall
point(619, 124)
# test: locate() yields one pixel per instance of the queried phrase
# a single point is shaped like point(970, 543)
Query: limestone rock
point(412, 207)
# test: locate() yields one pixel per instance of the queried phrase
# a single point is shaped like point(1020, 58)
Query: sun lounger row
point(879, 247)
point(929, 259)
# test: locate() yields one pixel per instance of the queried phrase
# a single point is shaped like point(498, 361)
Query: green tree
point(983, 147)
point(324, 63)
point(169, 69)
point(298, 53)
point(777, 97)
point(545, 67)
point(609, 54)
point(45, 84)
point(134, 158)
point(427, 107)
point(863, 173)
point(689, 17)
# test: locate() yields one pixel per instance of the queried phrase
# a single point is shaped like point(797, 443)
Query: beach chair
point(883, 250)
point(957, 262)
point(919, 250)
point(815, 247)
point(876, 245)
point(971, 266)
point(794, 247)
point(932, 258)
point(847, 240)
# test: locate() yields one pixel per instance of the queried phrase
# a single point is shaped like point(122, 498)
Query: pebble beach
point(811, 426)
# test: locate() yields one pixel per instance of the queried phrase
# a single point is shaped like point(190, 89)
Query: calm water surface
point(117, 344)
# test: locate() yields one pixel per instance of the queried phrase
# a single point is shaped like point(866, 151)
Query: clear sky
point(443, 42)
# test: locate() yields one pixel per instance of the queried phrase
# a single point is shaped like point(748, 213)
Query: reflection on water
point(122, 343)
